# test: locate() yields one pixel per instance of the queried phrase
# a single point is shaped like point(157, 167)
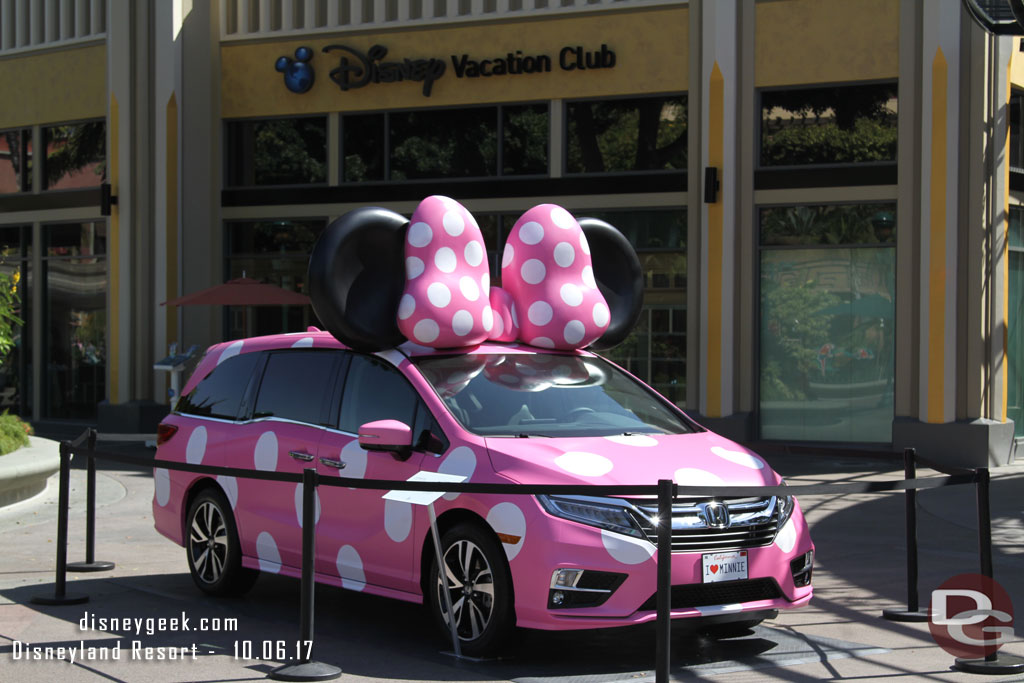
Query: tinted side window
point(220, 393)
point(375, 390)
point(295, 385)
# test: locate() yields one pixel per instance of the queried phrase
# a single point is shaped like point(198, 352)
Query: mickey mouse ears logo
point(298, 73)
point(377, 280)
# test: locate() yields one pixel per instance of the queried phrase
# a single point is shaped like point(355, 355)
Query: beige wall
point(825, 41)
point(63, 85)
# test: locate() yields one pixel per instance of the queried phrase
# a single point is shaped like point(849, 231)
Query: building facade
point(825, 195)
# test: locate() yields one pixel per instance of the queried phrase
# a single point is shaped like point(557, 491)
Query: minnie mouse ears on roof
point(377, 280)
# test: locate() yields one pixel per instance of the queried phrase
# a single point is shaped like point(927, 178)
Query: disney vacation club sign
point(356, 69)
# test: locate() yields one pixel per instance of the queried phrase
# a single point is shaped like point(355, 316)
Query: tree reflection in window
point(16, 161)
point(833, 125)
point(613, 136)
point(440, 143)
point(76, 155)
point(290, 151)
point(525, 140)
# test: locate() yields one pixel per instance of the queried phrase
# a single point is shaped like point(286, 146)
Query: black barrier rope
point(665, 491)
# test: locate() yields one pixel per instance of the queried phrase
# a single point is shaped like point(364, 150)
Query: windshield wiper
point(525, 435)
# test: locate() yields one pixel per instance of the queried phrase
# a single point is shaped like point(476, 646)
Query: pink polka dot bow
point(553, 292)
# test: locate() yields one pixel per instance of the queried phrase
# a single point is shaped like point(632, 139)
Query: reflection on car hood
point(703, 458)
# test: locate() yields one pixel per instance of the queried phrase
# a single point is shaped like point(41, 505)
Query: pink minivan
point(494, 413)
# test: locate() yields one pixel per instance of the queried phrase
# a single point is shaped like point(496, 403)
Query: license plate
point(729, 566)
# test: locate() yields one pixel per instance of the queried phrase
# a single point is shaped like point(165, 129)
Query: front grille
point(723, 593)
point(753, 523)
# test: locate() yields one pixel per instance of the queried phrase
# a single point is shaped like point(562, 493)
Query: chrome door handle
point(298, 455)
point(337, 464)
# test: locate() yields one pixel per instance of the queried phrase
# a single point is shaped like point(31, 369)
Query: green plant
point(14, 433)
point(9, 301)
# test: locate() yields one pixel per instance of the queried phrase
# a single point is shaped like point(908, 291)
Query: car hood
point(702, 458)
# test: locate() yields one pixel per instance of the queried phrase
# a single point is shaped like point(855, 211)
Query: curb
point(24, 472)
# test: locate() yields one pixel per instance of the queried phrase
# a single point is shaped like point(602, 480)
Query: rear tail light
point(164, 432)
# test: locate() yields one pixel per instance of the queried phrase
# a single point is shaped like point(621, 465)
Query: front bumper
point(770, 585)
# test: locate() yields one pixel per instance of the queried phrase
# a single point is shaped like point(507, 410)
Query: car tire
point(212, 547)
point(486, 588)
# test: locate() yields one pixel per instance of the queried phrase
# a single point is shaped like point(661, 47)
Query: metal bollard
point(307, 670)
point(90, 564)
point(60, 597)
point(663, 653)
point(997, 663)
point(913, 611)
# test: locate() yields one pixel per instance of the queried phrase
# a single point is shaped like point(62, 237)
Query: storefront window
point(655, 350)
point(616, 136)
point(277, 253)
point(363, 142)
point(445, 143)
point(827, 322)
point(15, 161)
point(833, 125)
point(1015, 337)
point(16, 364)
point(290, 151)
point(75, 319)
point(525, 137)
point(76, 155)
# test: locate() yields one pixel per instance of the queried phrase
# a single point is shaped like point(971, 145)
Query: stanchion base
point(90, 566)
point(467, 658)
point(1002, 665)
point(905, 615)
point(59, 599)
point(305, 671)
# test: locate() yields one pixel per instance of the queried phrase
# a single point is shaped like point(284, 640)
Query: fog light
point(557, 598)
point(566, 578)
point(801, 567)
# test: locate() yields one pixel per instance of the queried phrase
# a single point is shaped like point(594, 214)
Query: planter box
point(24, 472)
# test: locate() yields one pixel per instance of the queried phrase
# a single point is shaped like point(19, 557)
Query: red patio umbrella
point(242, 291)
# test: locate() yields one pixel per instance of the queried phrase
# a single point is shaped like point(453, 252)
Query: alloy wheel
point(470, 583)
point(208, 542)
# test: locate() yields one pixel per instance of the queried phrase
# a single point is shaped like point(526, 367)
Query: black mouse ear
point(356, 277)
point(619, 277)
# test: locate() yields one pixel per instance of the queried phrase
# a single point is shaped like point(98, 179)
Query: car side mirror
point(391, 436)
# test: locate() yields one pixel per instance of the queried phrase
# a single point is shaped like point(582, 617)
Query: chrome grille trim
point(754, 523)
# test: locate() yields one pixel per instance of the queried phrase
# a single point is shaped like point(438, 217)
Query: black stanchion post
point(663, 653)
point(995, 663)
point(90, 564)
point(60, 597)
point(306, 669)
point(913, 611)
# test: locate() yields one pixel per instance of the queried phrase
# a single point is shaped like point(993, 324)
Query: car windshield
point(546, 394)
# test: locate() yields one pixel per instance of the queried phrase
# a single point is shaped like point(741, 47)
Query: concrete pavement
point(859, 570)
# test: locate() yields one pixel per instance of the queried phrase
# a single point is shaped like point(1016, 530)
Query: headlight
point(604, 514)
point(786, 505)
